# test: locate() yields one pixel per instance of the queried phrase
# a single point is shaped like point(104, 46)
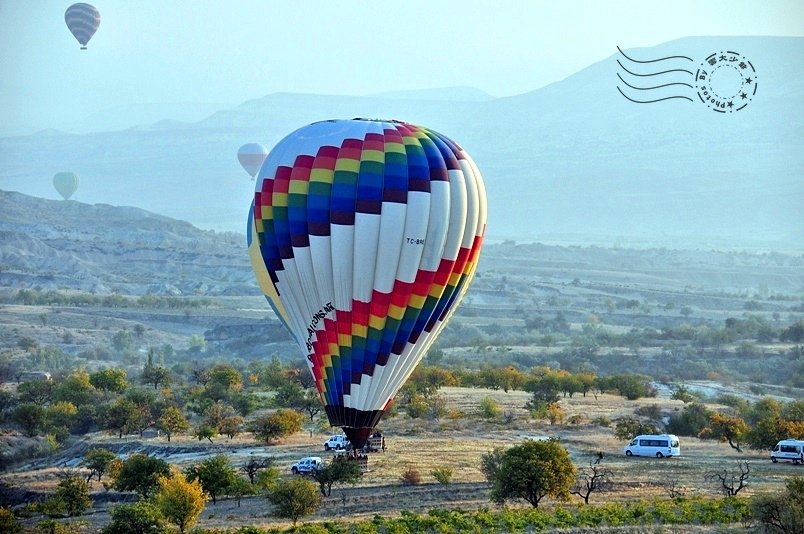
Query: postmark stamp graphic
point(726, 82)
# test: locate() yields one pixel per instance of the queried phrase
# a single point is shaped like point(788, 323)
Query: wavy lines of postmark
point(646, 81)
point(724, 82)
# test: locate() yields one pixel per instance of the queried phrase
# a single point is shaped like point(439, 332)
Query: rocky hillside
point(49, 244)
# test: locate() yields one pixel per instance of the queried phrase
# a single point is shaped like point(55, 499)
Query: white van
point(658, 446)
point(788, 449)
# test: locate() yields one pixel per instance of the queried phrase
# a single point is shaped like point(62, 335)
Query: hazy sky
point(215, 51)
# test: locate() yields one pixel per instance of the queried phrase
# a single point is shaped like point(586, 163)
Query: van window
point(674, 444)
point(633, 442)
point(789, 448)
point(653, 442)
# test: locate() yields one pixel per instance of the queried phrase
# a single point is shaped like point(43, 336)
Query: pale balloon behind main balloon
point(66, 183)
point(251, 156)
point(368, 234)
point(83, 21)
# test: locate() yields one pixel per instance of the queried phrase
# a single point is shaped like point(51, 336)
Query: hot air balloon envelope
point(66, 183)
point(251, 157)
point(83, 21)
point(367, 234)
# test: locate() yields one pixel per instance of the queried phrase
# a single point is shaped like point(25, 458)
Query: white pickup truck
point(338, 442)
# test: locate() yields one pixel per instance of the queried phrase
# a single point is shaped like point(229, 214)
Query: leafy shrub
point(602, 421)
point(651, 411)
point(489, 408)
point(442, 474)
point(411, 477)
point(627, 427)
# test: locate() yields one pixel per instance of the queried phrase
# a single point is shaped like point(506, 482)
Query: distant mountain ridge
point(571, 158)
point(50, 244)
point(55, 244)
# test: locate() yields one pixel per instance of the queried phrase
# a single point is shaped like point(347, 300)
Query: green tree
point(76, 388)
point(141, 517)
point(443, 475)
point(341, 471)
point(181, 501)
point(223, 418)
point(416, 406)
point(112, 380)
point(39, 392)
point(289, 395)
point(683, 394)
point(121, 417)
point(246, 403)
point(255, 465)
point(122, 341)
point(631, 386)
point(9, 522)
point(266, 479)
point(782, 512)
point(727, 428)
point(278, 425)
point(61, 414)
point(544, 386)
point(490, 408)
point(140, 473)
point(628, 427)
point(532, 471)
point(153, 374)
point(215, 474)
point(273, 375)
point(205, 432)
point(172, 421)
point(144, 400)
point(97, 460)
point(30, 417)
point(222, 380)
point(240, 488)
point(294, 498)
point(491, 463)
point(692, 419)
point(73, 493)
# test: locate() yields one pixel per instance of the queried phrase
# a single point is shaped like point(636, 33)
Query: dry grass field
point(457, 442)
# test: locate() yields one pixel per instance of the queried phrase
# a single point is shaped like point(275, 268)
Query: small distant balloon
point(251, 157)
point(66, 183)
point(83, 21)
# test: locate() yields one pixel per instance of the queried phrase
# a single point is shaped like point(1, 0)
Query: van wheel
point(659, 455)
point(629, 453)
point(774, 460)
point(295, 471)
point(326, 447)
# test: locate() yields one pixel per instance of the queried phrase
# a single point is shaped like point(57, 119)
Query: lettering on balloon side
point(414, 240)
point(311, 327)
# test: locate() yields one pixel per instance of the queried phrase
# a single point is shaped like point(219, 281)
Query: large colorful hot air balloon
point(251, 157)
point(66, 183)
point(366, 234)
point(83, 21)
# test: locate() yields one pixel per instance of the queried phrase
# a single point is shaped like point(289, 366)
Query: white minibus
point(788, 449)
point(658, 446)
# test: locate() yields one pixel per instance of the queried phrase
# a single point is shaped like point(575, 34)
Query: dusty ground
point(457, 443)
